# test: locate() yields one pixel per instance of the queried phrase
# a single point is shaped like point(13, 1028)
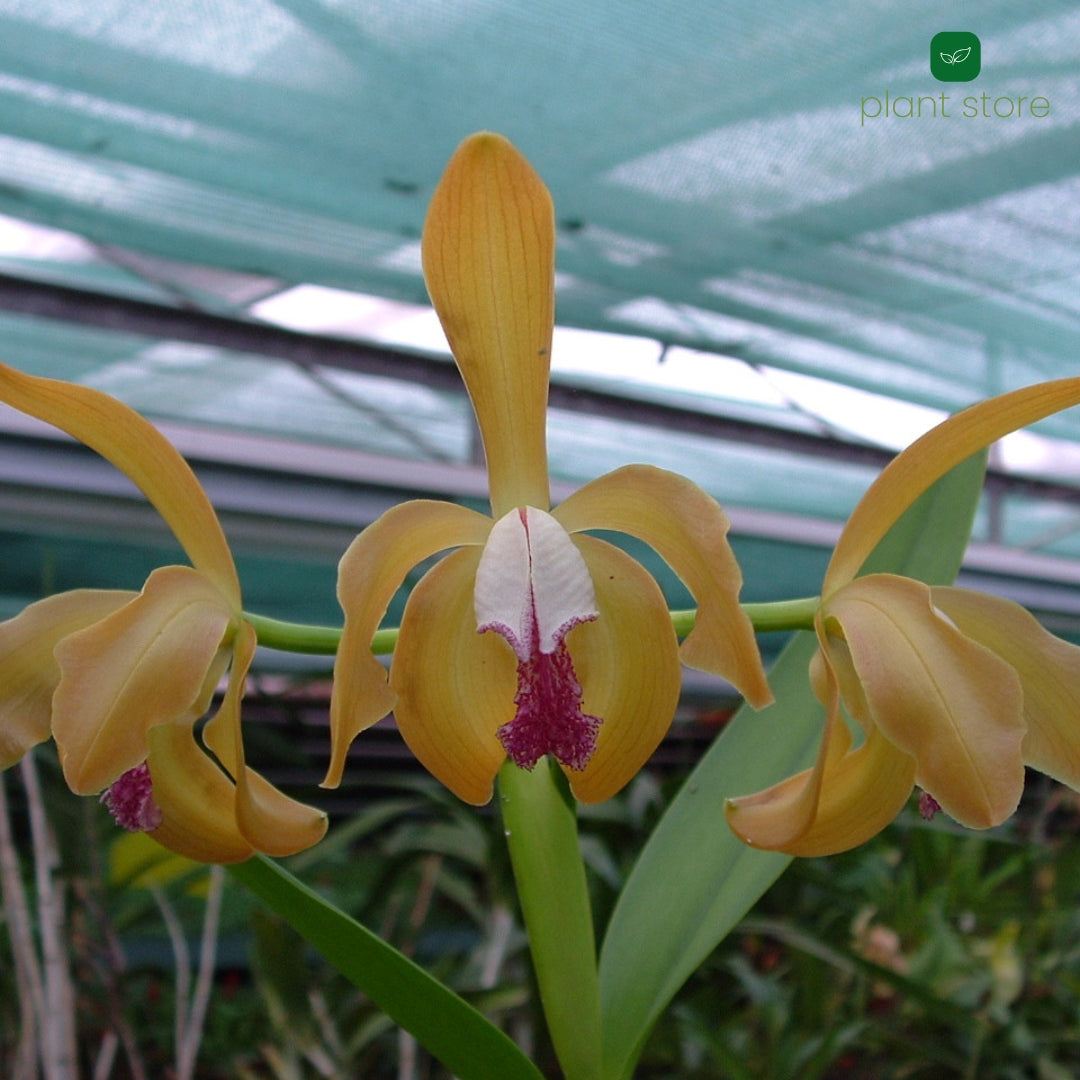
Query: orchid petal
point(940, 697)
point(195, 797)
point(370, 573)
point(271, 821)
point(532, 581)
point(845, 799)
point(859, 796)
point(156, 659)
point(138, 449)
point(929, 458)
point(28, 671)
point(489, 257)
point(455, 686)
point(688, 530)
point(627, 662)
point(1049, 671)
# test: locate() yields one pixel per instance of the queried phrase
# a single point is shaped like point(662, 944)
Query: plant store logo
point(955, 56)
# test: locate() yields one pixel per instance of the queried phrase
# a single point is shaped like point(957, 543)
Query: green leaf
point(694, 880)
point(468, 1044)
point(929, 540)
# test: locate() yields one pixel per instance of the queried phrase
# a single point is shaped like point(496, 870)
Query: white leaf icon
point(947, 57)
point(960, 55)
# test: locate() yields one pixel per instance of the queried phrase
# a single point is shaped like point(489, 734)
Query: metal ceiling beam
point(118, 314)
point(54, 483)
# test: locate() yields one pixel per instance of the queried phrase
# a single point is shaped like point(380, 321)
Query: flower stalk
point(540, 823)
point(774, 616)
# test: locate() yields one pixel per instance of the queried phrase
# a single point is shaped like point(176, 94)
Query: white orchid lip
point(533, 587)
point(532, 584)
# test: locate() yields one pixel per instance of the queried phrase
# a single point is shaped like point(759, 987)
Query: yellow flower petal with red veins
point(155, 660)
point(627, 662)
point(268, 819)
point(489, 265)
point(138, 449)
point(1049, 671)
point(370, 572)
point(455, 686)
point(29, 672)
point(688, 530)
point(940, 697)
point(195, 797)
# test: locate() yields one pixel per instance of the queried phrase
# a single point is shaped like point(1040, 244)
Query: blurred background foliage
point(929, 953)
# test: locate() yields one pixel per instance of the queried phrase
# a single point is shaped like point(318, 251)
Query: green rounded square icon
point(955, 56)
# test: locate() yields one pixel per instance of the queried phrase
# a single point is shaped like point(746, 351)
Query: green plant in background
point(540, 656)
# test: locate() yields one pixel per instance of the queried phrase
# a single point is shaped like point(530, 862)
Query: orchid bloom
point(120, 678)
point(531, 638)
point(955, 691)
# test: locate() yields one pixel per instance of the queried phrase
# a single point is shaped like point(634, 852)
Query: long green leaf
point(467, 1043)
point(694, 880)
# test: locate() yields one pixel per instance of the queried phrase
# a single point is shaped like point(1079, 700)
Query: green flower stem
point(777, 615)
point(324, 640)
point(312, 640)
point(540, 821)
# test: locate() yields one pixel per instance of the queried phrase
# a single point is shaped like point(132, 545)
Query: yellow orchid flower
point(954, 691)
point(120, 678)
point(532, 638)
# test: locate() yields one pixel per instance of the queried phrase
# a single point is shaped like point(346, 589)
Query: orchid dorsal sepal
point(489, 265)
point(139, 450)
point(930, 457)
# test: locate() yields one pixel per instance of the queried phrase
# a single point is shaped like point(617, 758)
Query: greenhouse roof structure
point(786, 246)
